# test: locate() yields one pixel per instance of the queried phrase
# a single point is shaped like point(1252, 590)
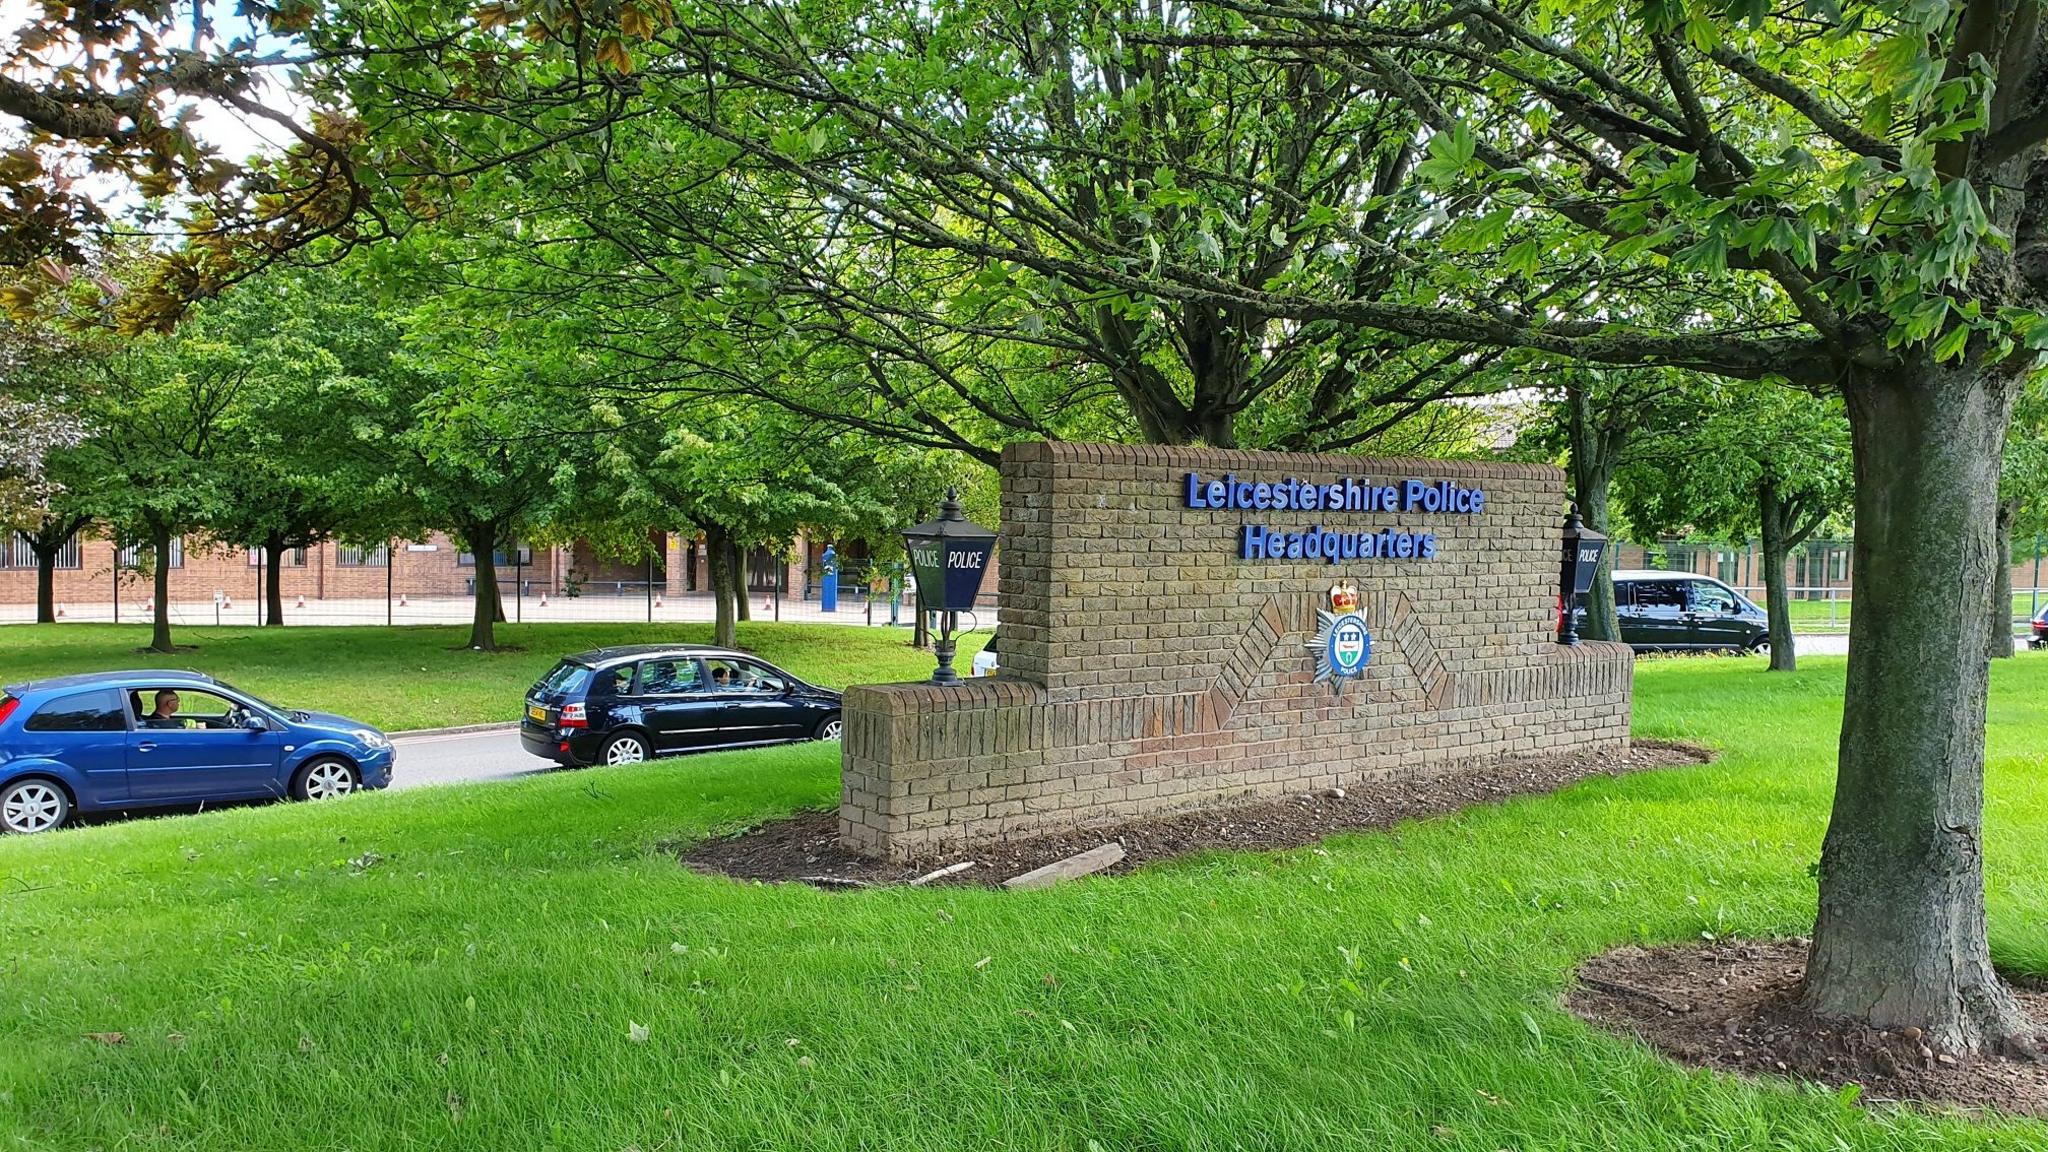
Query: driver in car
point(165, 712)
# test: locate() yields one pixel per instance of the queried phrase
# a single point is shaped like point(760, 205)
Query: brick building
point(433, 568)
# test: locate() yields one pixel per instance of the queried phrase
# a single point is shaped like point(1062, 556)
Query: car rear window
point(83, 712)
point(567, 676)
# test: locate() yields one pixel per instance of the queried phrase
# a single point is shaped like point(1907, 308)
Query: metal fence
point(128, 600)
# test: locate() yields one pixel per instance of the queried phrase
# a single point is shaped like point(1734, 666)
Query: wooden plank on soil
point(1073, 867)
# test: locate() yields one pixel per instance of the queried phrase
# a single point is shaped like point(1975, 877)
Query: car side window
point(743, 676)
point(185, 708)
point(759, 677)
point(82, 712)
point(1660, 597)
point(1624, 595)
point(1711, 598)
point(668, 677)
point(618, 681)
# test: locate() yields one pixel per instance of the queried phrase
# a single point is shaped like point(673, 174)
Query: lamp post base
point(944, 673)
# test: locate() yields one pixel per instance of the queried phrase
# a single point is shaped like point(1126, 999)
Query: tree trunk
point(741, 588)
point(483, 545)
point(160, 635)
point(273, 567)
point(718, 552)
point(2000, 633)
point(1900, 938)
point(1777, 542)
point(46, 579)
point(1593, 461)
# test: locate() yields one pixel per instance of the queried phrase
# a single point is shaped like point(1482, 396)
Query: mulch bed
point(1733, 1006)
point(805, 847)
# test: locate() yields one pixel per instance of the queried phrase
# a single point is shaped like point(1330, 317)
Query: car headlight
point(372, 738)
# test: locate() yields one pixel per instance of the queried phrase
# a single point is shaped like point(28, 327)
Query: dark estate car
point(623, 705)
point(1677, 611)
point(112, 741)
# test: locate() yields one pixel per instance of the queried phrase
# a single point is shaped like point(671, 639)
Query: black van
point(1679, 611)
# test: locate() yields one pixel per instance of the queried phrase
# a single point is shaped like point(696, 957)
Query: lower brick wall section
point(927, 769)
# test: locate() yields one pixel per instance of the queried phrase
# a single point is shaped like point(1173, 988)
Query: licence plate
point(539, 714)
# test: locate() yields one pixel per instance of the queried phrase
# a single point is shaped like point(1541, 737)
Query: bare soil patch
point(805, 847)
point(1732, 1006)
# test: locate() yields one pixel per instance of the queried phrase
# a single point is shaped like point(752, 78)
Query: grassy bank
point(423, 677)
point(463, 968)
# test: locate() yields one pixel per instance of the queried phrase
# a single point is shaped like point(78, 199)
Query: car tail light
point(7, 706)
point(573, 716)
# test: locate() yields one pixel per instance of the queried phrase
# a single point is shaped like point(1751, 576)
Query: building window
point(1838, 564)
point(349, 556)
point(1724, 567)
point(140, 556)
point(295, 558)
point(16, 553)
point(502, 557)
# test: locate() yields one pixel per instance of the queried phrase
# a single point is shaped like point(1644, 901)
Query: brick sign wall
point(1149, 665)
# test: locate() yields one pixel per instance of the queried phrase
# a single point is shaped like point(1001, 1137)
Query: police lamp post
point(950, 556)
point(1580, 560)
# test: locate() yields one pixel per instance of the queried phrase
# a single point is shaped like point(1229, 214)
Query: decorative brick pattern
point(1147, 668)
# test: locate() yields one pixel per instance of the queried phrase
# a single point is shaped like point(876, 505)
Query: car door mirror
point(255, 724)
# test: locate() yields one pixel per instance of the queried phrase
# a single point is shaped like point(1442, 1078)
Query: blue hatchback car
point(110, 741)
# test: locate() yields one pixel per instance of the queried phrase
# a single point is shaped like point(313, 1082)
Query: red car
point(2040, 637)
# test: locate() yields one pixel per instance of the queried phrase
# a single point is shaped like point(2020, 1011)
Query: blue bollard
point(828, 591)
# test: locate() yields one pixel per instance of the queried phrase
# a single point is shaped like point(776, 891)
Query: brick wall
point(1147, 667)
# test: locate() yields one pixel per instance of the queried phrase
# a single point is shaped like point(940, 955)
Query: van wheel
point(33, 805)
point(327, 779)
point(1761, 646)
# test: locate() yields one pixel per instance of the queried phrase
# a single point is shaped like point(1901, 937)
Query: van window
point(1712, 598)
point(85, 712)
point(1660, 596)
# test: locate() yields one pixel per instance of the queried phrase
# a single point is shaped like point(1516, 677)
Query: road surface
point(463, 757)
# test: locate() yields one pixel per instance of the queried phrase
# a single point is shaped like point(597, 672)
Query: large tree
point(1751, 461)
point(164, 417)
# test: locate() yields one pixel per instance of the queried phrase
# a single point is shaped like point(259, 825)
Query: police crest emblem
point(1342, 644)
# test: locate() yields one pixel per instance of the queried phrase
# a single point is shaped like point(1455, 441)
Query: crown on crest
point(1344, 596)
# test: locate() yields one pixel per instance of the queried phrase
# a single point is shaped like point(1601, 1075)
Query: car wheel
point(624, 749)
point(325, 780)
point(831, 728)
point(1761, 646)
point(33, 805)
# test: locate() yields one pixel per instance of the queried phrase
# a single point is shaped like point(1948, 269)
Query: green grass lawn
point(423, 677)
point(476, 984)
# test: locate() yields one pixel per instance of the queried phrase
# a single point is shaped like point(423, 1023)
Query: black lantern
point(1581, 559)
point(950, 556)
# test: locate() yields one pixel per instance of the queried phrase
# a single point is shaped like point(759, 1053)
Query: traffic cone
point(149, 605)
point(60, 611)
point(767, 603)
point(301, 603)
point(401, 600)
point(657, 604)
point(543, 599)
point(227, 601)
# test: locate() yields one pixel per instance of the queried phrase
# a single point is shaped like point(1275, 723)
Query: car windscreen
point(568, 676)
